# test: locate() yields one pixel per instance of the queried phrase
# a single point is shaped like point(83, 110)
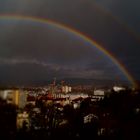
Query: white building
point(66, 89)
point(117, 88)
point(98, 94)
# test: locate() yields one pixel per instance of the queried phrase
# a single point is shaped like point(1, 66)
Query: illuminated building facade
point(16, 97)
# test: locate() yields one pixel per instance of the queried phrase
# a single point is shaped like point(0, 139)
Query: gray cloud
point(23, 43)
point(127, 11)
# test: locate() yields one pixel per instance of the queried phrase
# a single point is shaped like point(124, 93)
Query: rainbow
point(77, 33)
point(125, 26)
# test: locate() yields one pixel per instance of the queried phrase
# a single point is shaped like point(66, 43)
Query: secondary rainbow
point(120, 22)
point(77, 33)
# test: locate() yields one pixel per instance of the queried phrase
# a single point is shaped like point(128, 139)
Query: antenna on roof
point(54, 81)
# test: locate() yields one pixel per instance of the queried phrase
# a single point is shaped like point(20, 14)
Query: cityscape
point(69, 69)
point(61, 111)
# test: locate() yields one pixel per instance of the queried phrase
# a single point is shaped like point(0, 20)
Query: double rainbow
point(77, 33)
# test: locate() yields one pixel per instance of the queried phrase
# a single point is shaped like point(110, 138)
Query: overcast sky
point(32, 52)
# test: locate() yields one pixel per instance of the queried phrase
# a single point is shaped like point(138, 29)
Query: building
point(16, 97)
point(118, 88)
point(66, 89)
point(23, 120)
point(98, 94)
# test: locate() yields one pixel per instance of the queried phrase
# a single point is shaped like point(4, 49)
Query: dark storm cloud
point(47, 43)
point(24, 74)
point(31, 71)
point(23, 41)
point(59, 53)
point(127, 10)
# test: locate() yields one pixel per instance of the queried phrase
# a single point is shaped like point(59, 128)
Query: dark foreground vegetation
point(116, 117)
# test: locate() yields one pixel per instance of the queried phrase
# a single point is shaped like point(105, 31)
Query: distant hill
point(71, 81)
point(95, 82)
